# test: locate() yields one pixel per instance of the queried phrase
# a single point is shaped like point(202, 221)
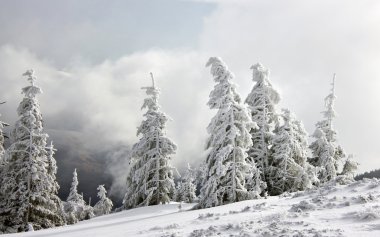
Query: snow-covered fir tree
point(52, 168)
point(327, 153)
point(29, 199)
point(324, 161)
point(262, 104)
point(2, 155)
point(288, 168)
point(226, 169)
point(187, 188)
point(350, 167)
point(74, 196)
point(150, 175)
point(75, 207)
point(52, 179)
point(104, 205)
point(177, 194)
point(200, 175)
point(2, 150)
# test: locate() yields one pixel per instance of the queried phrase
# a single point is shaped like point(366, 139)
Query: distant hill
point(369, 175)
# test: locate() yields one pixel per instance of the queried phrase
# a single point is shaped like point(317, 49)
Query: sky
point(92, 57)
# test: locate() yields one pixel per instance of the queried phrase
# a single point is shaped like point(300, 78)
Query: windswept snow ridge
point(332, 210)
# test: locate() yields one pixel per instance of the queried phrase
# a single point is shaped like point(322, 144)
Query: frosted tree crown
point(219, 69)
point(32, 90)
point(259, 72)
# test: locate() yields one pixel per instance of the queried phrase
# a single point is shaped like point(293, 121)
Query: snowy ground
point(352, 210)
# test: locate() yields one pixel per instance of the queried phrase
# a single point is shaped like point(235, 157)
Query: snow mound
point(303, 206)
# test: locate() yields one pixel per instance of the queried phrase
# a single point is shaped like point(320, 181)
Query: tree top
point(31, 77)
point(259, 72)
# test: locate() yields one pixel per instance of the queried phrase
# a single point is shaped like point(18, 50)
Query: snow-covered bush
point(369, 214)
point(348, 174)
point(75, 212)
point(303, 206)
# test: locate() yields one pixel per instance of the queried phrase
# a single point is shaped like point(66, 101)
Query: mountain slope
point(342, 210)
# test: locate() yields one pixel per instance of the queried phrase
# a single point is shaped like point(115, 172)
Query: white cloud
point(304, 43)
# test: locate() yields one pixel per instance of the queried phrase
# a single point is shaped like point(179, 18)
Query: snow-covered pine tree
point(262, 104)
point(324, 162)
point(326, 152)
point(52, 180)
point(74, 196)
point(288, 168)
point(150, 176)
point(177, 194)
point(75, 207)
point(350, 167)
point(104, 205)
point(2, 157)
point(226, 169)
point(29, 200)
point(187, 188)
point(52, 168)
point(200, 176)
point(2, 150)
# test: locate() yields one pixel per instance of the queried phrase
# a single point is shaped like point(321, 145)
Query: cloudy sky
point(92, 57)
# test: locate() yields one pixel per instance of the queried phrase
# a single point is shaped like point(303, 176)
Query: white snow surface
point(342, 210)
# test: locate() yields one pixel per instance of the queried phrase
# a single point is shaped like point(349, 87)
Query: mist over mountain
point(94, 167)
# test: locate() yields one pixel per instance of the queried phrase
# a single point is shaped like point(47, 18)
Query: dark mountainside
point(91, 164)
point(369, 175)
point(91, 170)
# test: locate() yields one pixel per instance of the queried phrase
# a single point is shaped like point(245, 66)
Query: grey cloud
point(92, 112)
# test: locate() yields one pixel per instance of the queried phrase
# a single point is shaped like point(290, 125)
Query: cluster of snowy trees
point(28, 192)
point(253, 150)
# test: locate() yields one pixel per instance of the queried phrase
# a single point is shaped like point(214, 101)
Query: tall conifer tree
point(327, 153)
point(262, 102)
point(150, 176)
point(29, 200)
point(2, 150)
point(226, 169)
point(74, 196)
point(2, 157)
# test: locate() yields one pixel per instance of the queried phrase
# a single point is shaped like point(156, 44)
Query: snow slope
point(352, 210)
